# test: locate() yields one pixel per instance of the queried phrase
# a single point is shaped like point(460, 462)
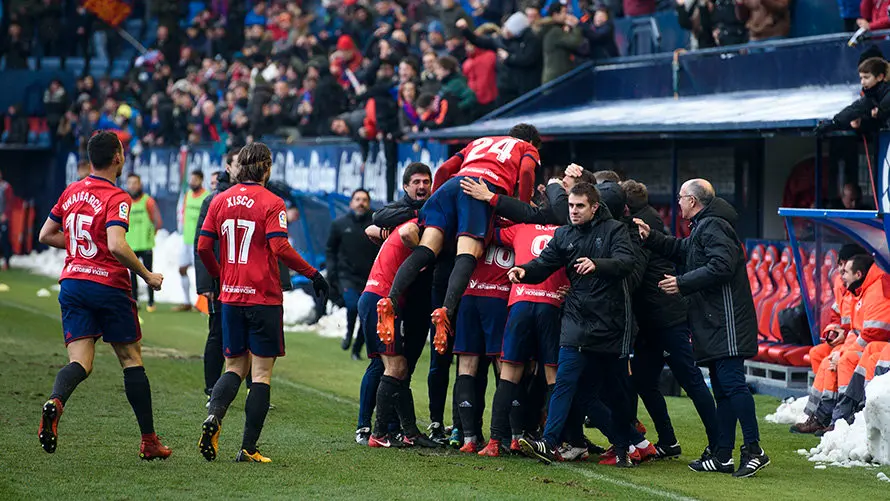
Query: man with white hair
point(721, 314)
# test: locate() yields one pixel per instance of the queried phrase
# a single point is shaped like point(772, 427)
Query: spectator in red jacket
point(874, 15)
point(479, 68)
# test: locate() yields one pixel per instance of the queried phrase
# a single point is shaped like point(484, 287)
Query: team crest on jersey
point(282, 219)
point(124, 211)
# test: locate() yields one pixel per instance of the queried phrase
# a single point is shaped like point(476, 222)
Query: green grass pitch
point(309, 435)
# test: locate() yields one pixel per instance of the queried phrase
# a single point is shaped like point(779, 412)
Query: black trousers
point(214, 361)
point(5, 243)
point(147, 258)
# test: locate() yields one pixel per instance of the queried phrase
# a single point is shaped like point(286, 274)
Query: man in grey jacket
point(721, 314)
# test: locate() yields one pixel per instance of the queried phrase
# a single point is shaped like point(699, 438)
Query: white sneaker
point(572, 453)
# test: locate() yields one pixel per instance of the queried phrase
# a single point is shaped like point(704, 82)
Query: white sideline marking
point(623, 483)
point(345, 401)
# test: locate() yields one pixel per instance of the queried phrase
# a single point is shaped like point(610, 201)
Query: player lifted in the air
point(251, 225)
point(500, 162)
point(90, 222)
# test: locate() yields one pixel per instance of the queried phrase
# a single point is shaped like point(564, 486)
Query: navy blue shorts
point(93, 310)
point(456, 213)
point(479, 328)
point(258, 329)
point(367, 314)
point(532, 334)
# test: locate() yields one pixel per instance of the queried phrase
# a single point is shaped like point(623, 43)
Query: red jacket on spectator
point(346, 47)
point(875, 12)
point(479, 68)
point(638, 7)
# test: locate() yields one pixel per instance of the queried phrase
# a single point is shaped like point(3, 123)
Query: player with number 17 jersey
point(251, 224)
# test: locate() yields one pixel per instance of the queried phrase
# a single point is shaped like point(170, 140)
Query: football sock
point(405, 408)
point(481, 387)
point(387, 393)
point(67, 380)
point(368, 393)
point(255, 410)
point(213, 352)
point(420, 258)
point(504, 405)
point(465, 389)
point(437, 387)
point(184, 281)
point(464, 264)
point(139, 394)
point(224, 391)
point(642, 445)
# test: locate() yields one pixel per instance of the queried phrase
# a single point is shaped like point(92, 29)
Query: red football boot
point(386, 319)
point(514, 447)
point(443, 329)
point(647, 454)
point(470, 447)
point(492, 450)
point(152, 448)
point(48, 432)
point(640, 427)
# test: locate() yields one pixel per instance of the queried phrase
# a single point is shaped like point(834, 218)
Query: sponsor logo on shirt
point(123, 211)
point(484, 286)
point(522, 291)
point(481, 172)
point(89, 270)
point(282, 219)
point(238, 289)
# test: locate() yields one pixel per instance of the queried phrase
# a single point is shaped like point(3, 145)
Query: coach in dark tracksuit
point(721, 314)
point(664, 336)
point(597, 254)
point(349, 257)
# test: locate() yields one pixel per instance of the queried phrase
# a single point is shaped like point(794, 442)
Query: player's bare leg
point(224, 392)
point(256, 408)
point(469, 249)
point(465, 392)
point(431, 242)
point(139, 394)
point(80, 364)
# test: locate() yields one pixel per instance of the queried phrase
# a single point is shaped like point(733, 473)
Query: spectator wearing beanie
point(519, 54)
point(480, 70)
point(768, 19)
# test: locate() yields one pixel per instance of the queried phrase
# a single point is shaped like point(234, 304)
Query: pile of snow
point(298, 306)
point(789, 412)
point(864, 443)
point(168, 247)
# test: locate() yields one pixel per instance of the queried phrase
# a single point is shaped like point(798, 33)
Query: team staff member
point(721, 314)
point(597, 255)
point(664, 329)
point(349, 257)
point(251, 225)
point(145, 219)
point(191, 210)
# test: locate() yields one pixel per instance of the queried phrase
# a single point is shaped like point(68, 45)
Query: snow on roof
point(737, 111)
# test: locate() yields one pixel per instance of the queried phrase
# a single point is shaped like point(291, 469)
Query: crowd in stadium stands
point(228, 71)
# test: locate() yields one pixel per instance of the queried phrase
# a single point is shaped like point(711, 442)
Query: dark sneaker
point(48, 432)
point(537, 449)
point(437, 433)
point(345, 343)
point(810, 426)
point(623, 459)
point(664, 451)
point(208, 444)
point(709, 463)
point(362, 435)
point(751, 463)
point(421, 440)
point(356, 357)
point(400, 441)
point(594, 449)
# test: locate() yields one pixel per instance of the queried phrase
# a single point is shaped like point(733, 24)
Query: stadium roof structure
point(748, 113)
